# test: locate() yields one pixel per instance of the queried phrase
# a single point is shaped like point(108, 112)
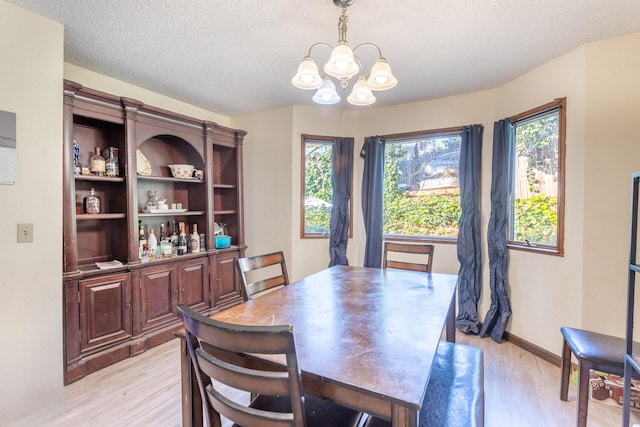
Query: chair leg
point(565, 371)
point(583, 392)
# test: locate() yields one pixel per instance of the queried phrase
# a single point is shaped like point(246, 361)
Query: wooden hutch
point(115, 313)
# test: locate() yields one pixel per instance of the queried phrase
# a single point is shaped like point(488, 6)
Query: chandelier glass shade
point(343, 64)
point(326, 93)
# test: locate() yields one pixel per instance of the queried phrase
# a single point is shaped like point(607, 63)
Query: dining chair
point(594, 351)
point(424, 264)
point(268, 264)
point(276, 395)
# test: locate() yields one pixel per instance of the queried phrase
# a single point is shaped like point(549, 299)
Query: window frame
point(560, 105)
point(399, 137)
point(304, 138)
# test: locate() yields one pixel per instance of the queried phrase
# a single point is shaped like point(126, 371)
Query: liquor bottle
point(166, 248)
point(203, 245)
point(163, 235)
point(194, 241)
point(77, 168)
point(97, 163)
point(92, 203)
point(111, 165)
point(182, 240)
point(152, 242)
point(142, 238)
point(174, 235)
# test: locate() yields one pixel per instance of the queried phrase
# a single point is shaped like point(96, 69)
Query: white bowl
point(181, 171)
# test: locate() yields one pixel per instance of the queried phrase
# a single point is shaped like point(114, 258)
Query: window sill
point(543, 250)
point(315, 236)
point(426, 239)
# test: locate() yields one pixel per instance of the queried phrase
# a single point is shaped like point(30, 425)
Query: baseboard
point(533, 349)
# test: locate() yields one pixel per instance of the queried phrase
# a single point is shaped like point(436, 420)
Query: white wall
point(612, 153)
point(267, 179)
point(546, 290)
point(31, 52)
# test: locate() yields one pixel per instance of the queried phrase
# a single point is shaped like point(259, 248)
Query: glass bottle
point(97, 163)
point(77, 169)
point(92, 203)
point(174, 235)
point(152, 242)
point(142, 237)
point(111, 165)
point(194, 241)
point(182, 240)
point(163, 235)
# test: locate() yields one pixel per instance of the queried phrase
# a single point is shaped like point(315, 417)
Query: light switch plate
point(25, 233)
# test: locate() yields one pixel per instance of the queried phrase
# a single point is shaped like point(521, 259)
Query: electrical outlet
point(25, 233)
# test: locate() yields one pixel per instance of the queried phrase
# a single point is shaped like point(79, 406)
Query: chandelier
point(343, 65)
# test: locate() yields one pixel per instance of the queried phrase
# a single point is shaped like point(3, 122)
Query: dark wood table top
point(369, 330)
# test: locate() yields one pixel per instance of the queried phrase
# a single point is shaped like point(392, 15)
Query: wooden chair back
point(213, 348)
point(408, 248)
point(260, 262)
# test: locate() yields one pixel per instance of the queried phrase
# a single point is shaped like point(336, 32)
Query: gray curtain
point(469, 231)
point(372, 198)
point(499, 312)
point(342, 167)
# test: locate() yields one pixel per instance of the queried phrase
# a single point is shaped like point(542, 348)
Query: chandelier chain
point(342, 24)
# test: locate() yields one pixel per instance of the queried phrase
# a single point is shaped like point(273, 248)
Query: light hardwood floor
point(521, 390)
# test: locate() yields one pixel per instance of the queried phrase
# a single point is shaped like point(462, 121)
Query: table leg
point(191, 399)
point(450, 323)
point(401, 416)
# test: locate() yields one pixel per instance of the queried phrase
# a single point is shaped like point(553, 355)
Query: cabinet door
point(105, 310)
point(194, 283)
point(225, 281)
point(159, 296)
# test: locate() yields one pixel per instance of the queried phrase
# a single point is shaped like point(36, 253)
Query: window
point(537, 214)
point(421, 191)
point(317, 188)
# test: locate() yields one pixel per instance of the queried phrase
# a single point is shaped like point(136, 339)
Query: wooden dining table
point(366, 337)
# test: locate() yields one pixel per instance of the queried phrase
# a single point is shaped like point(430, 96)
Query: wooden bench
point(455, 393)
point(595, 351)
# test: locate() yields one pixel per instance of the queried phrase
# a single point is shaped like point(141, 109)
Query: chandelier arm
point(369, 44)
point(360, 64)
point(318, 44)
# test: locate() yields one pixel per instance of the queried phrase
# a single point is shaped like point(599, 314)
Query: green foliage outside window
point(535, 218)
point(317, 219)
point(429, 215)
point(318, 189)
point(433, 213)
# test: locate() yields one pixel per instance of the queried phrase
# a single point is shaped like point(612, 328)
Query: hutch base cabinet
point(120, 296)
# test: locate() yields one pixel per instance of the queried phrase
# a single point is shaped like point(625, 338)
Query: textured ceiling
point(237, 56)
